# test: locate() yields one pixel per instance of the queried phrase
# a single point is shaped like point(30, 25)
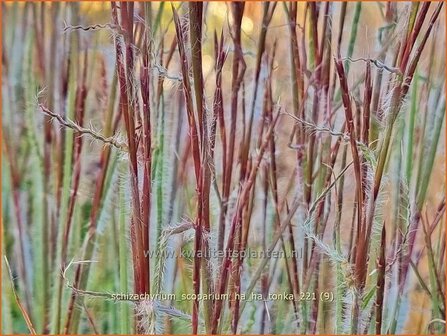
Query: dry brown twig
point(113, 140)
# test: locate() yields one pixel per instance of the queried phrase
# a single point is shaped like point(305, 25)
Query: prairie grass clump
point(177, 168)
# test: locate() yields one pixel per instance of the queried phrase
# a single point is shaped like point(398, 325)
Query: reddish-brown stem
point(361, 245)
point(241, 202)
